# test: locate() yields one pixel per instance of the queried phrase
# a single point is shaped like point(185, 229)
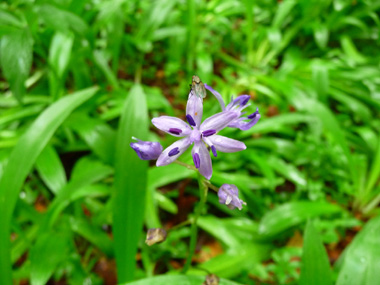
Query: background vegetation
point(79, 78)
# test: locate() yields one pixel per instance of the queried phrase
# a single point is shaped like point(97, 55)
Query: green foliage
point(80, 78)
point(315, 267)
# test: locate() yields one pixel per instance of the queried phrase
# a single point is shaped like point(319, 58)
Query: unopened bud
point(229, 195)
point(155, 236)
point(146, 150)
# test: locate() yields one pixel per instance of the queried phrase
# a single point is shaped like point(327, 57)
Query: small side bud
point(155, 236)
point(229, 195)
point(146, 150)
point(211, 279)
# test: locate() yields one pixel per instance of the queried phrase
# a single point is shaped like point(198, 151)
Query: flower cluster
point(203, 136)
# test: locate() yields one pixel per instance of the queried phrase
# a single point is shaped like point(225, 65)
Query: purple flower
point(146, 150)
point(198, 134)
point(229, 195)
point(237, 105)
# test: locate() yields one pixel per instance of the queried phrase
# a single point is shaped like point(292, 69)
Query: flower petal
point(172, 152)
point(225, 144)
point(219, 121)
point(172, 125)
point(194, 109)
point(203, 159)
point(242, 125)
point(240, 101)
point(217, 96)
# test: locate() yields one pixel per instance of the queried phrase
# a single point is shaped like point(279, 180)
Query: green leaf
point(100, 137)
point(93, 234)
point(21, 161)
point(86, 172)
point(360, 263)
point(177, 279)
point(315, 266)
point(50, 250)
point(16, 54)
point(321, 35)
point(60, 52)
point(130, 184)
point(50, 168)
point(61, 20)
point(290, 214)
point(320, 78)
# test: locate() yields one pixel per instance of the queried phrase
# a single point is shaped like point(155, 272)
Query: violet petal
point(217, 96)
point(205, 164)
point(165, 159)
point(225, 144)
point(167, 123)
point(194, 108)
point(218, 121)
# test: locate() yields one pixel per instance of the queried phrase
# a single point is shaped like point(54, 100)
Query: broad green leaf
point(288, 215)
point(360, 263)
point(21, 161)
point(315, 266)
point(16, 54)
point(130, 184)
point(177, 279)
point(50, 168)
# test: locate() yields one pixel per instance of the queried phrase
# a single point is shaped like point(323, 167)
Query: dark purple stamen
point(190, 120)
point(174, 151)
point(208, 133)
point(213, 149)
point(196, 159)
point(175, 131)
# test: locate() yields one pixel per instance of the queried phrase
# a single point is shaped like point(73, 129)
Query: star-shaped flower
point(198, 134)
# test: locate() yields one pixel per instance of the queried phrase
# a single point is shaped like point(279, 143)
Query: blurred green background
point(80, 78)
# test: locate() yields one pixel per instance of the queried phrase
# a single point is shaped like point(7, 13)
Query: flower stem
point(203, 189)
point(188, 166)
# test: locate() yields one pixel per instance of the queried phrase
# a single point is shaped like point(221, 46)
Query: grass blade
point(315, 267)
point(130, 184)
point(21, 161)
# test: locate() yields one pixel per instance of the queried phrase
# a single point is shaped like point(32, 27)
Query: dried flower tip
point(211, 279)
point(155, 236)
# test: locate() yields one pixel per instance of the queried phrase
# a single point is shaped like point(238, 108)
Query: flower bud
point(155, 236)
point(146, 150)
point(229, 195)
point(211, 279)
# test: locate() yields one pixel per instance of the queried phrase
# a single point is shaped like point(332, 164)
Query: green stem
point(188, 166)
point(203, 188)
point(180, 225)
